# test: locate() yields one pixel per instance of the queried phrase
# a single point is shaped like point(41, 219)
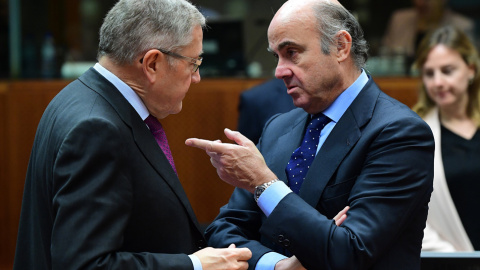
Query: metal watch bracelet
point(261, 188)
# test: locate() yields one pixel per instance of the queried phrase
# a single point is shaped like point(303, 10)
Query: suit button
point(286, 243)
point(280, 238)
point(201, 244)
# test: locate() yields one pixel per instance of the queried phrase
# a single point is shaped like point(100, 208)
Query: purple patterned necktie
point(304, 155)
point(161, 138)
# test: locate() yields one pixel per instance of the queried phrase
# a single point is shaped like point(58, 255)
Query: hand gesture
point(224, 258)
point(240, 165)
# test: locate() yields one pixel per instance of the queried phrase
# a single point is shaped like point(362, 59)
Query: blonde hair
point(454, 39)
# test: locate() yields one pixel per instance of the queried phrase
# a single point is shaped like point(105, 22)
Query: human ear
point(151, 64)
point(472, 71)
point(344, 45)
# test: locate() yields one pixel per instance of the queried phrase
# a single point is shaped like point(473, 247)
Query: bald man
point(370, 152)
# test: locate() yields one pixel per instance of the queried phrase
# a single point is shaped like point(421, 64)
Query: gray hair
point(332, 18)
point(132, 27)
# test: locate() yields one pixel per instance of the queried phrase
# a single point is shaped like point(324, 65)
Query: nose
point(196, 77)
point(282, 71)
point(438, 79)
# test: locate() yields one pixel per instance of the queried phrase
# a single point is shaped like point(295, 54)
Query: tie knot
point(153, 123)
point(318, 121)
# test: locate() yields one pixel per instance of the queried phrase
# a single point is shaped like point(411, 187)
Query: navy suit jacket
point(260, 103)
point(378, 159)
point(99, 192)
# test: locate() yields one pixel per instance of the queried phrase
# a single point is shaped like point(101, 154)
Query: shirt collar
point(343, 101)
point(125, 90)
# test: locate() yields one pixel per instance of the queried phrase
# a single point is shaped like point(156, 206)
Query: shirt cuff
point(197, 264)
point(272, 196)
point(269, 260)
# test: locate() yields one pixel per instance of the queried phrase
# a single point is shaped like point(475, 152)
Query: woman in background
point(449, 102)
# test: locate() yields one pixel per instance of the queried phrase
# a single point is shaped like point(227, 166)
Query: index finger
point(199, 143)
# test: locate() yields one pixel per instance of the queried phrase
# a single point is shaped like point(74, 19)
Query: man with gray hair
point(101, 189)
point(347, 145)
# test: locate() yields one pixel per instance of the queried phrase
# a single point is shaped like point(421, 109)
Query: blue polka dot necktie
point(304, 155)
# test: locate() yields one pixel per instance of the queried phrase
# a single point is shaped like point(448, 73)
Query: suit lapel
point(341, 140)
point(154, 154)
point(141, 134)
point(287, 143)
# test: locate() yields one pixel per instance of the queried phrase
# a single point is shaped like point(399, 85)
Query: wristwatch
point(260, 189)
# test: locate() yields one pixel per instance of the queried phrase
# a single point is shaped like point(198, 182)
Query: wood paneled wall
point(208, 108)
point(21, 107)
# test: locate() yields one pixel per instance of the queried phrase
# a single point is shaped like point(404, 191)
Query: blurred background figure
point(408, 26)
point(260, 103)
point(449, 102)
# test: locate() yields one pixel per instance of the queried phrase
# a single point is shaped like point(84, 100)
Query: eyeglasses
point(196, 62)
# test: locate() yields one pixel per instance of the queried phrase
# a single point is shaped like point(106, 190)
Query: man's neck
point(127, 73)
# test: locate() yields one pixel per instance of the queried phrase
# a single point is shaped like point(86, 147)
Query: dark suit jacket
point(260, 103)
point(378, 159)
point(99, 192)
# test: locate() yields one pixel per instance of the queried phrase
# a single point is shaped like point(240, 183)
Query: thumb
point(237, 137)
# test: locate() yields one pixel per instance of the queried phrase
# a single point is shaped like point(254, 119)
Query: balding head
point(297, 9)
point(328, 17)
point(311, 41)
point(299, 3)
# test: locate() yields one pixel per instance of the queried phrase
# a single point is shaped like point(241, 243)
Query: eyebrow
point(283, 45)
